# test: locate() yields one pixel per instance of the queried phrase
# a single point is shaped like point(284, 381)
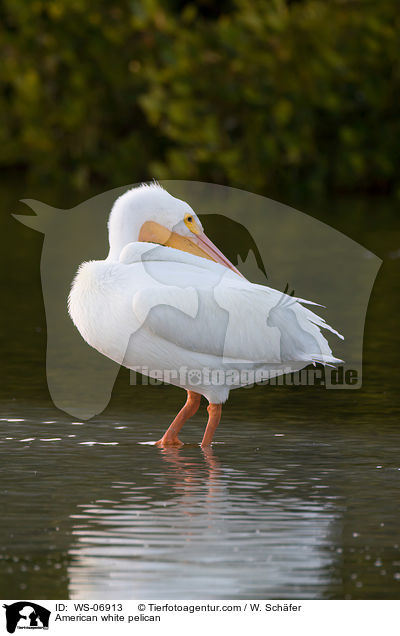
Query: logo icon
point(26, 615)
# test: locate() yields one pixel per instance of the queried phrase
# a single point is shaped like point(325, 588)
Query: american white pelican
point(167, 301)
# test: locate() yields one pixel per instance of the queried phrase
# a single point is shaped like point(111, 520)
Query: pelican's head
point(150, 214)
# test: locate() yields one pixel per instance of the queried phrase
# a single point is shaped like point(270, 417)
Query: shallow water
point(298, 497)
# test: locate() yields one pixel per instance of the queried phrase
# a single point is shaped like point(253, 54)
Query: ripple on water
point(98, 443)
point(290, 520)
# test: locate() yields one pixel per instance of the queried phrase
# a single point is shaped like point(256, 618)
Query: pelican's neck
point(123, 228)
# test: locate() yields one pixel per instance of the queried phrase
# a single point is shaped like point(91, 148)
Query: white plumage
point(157, 308)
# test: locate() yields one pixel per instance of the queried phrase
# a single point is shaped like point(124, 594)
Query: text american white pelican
point(166, 300)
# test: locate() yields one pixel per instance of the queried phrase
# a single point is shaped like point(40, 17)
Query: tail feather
point(317, 320)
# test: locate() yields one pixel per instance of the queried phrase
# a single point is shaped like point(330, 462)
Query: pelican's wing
point(266, 325)
point(202, 307)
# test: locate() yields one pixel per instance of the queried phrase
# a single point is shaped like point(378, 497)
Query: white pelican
point(166, 300)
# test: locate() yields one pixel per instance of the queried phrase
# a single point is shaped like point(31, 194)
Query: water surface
point(298, 497)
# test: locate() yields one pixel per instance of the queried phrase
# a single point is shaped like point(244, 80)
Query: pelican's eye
point(191, 224)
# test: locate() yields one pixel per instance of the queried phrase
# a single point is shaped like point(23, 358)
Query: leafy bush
point(257, 94)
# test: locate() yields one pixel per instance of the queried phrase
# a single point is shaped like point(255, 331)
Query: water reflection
point(205, 531)
point(284, 508)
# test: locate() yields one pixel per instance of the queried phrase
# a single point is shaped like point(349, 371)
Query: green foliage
point(260, 94)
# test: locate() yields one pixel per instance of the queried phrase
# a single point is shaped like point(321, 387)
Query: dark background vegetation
point(269, 96)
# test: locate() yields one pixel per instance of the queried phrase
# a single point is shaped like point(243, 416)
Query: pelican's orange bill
point(197, 244)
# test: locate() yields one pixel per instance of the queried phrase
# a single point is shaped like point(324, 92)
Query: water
point(298, 497)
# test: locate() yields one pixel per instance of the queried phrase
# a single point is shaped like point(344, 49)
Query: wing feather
point(202, 307)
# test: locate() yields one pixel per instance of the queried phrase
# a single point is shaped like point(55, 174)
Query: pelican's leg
point(214, 416)
point(170, 437)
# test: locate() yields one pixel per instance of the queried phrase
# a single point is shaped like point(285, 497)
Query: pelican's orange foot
point(170, 437)
point(168, 440)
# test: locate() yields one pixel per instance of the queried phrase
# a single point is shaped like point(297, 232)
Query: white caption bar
point(182, 617)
